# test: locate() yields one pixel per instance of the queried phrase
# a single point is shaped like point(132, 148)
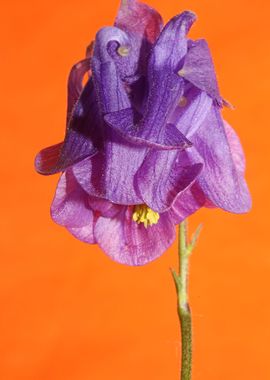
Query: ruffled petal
point(186, 204)
point(83, 136)
point(165, 90)
point(164, 175)
point(130, 243)
point(199, 69)
point(110, 90)
point(220, 180)
point(137, 18)
point(70, 207)
point(143, 25)
point(110, 174)
point(47, 160)
point(75, 84)
point(165, 85)
point(123, 122)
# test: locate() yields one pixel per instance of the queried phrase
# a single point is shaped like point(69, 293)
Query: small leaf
point(194, 239)
point(177, 279)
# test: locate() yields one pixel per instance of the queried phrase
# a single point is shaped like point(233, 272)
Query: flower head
point(145, 144)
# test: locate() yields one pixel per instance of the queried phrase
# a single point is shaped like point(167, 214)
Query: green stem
point(181, 282)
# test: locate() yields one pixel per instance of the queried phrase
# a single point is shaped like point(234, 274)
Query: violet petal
point(143, 25)
point(83, 136)
point(85, 233)
point(164, 175)
point(123, 123)
point(165, 90)
point(165, 85)
point(187, 203)
point(199, 69)
point(220, 180)
point(109, 86)
point(139, 19)
point(130, 243)
point(191, 111)
point(75, 84)
point(70, 207)
point(103, 207)
point(110, 174)
point(236, 148)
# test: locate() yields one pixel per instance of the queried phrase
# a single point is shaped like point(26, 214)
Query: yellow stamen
point(123, 51)
point(144, 214)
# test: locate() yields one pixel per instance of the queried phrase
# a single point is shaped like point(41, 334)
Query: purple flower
point(145, 144)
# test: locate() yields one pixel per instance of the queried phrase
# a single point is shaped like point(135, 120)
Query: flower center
point(144, 214)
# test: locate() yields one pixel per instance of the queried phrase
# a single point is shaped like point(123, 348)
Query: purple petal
point(191, 112)
point(47, 160)
point(220, 180)
point(109, 87)
point(90, 50)
point(199, 69)
point(143, 25)
point(137, 18)
point(124, 123)
point(83, 136)
point(236, 148)
point(130, 243)
point(85, 233)
point(104, 176)
point(165, 90)
point(109, 233)
point(163, 176)
point(187, 203)
point(103, 207)
point(70, 207)
point(75, 84)
point(165, 85)
point(110, 173)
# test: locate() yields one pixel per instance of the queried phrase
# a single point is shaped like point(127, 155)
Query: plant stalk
point(181, 282)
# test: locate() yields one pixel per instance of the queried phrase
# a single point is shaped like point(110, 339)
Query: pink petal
point(138, 18)
point(187, 203)
point(70, 207)
point(221, 181)
point(130, 243)
point(85, 233)
point(103, 207)
point(236, 148)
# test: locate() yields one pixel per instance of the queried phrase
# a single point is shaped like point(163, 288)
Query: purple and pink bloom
point(145, 144)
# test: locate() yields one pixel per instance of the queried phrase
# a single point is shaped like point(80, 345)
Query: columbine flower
point(145, 145)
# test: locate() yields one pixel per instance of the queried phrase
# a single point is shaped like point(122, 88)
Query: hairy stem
point(181, 281)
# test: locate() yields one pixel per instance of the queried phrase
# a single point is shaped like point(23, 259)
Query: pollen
point(123, 51)
point(144, 214)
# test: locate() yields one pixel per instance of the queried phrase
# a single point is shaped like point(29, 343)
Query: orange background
point(67, 311)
